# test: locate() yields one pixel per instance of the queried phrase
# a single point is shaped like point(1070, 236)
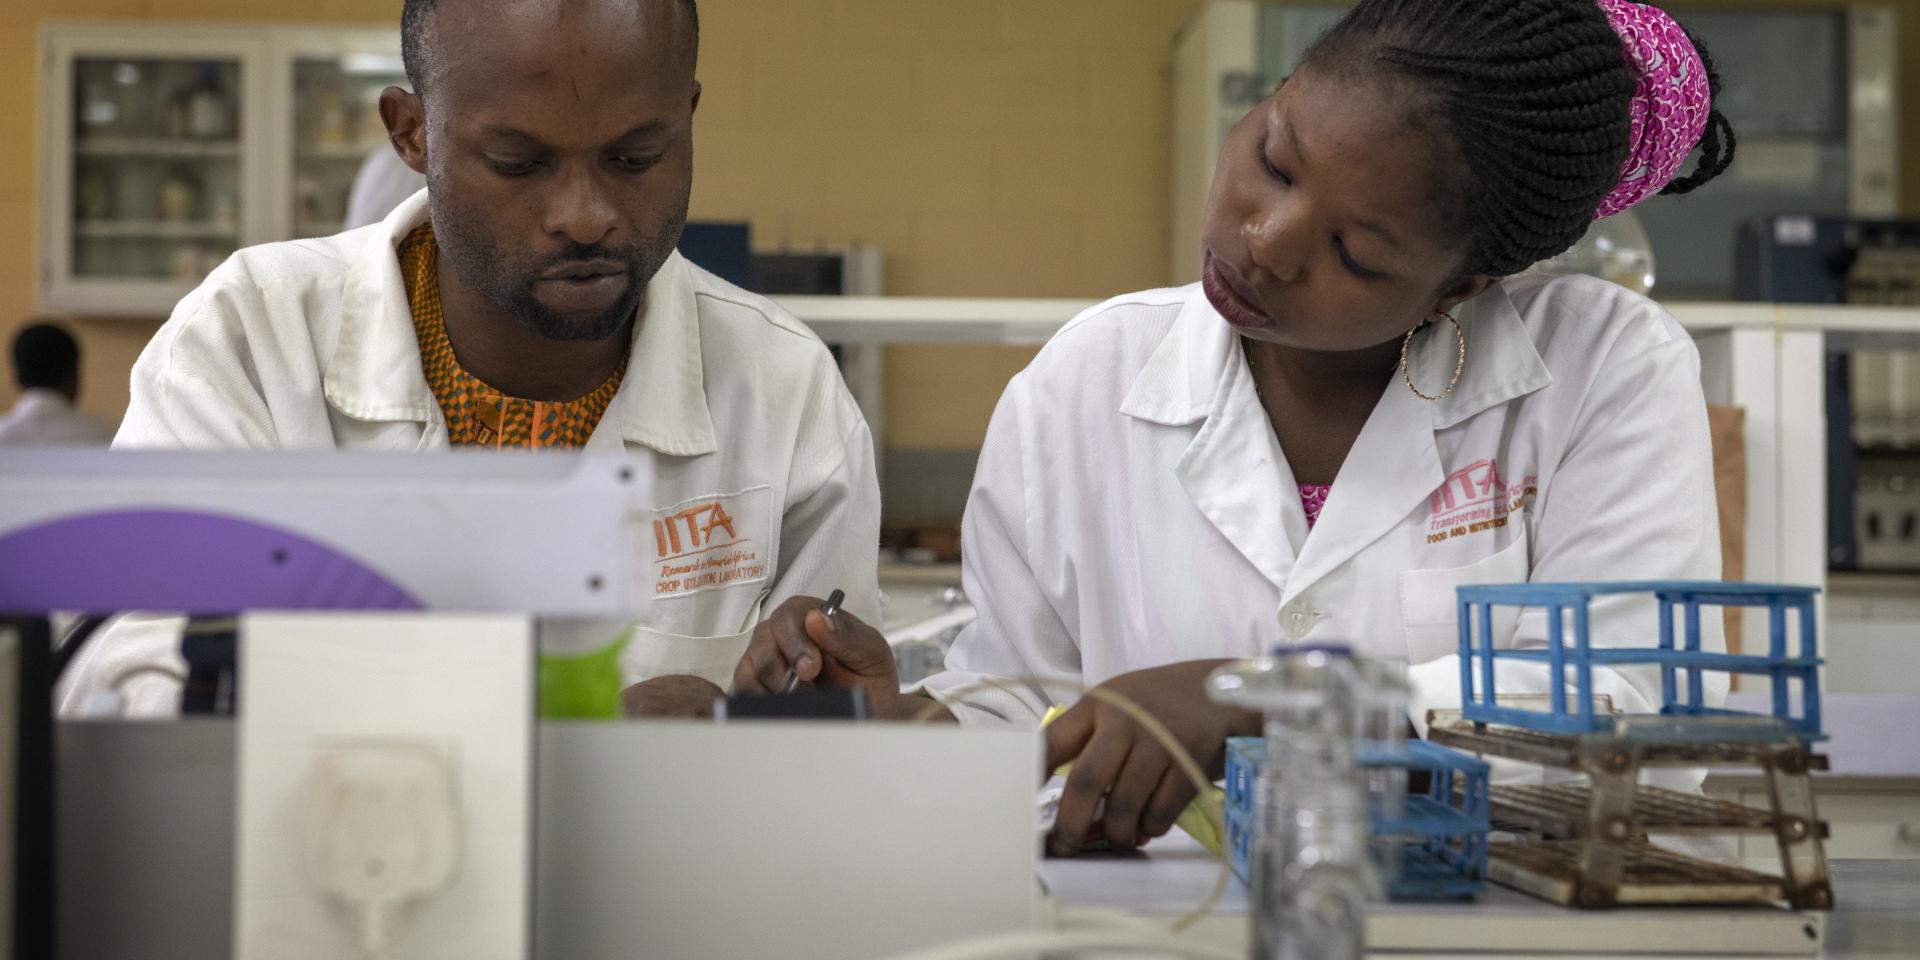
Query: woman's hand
point(1114, 756)
point(832, 652)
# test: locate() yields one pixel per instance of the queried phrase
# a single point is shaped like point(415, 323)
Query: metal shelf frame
point(1601, 826)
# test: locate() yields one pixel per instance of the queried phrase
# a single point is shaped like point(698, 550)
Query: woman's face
point(1322, 229)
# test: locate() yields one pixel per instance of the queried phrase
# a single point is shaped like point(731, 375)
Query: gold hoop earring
point(1459, 364)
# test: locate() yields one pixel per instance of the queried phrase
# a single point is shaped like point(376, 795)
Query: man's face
point(559, 153)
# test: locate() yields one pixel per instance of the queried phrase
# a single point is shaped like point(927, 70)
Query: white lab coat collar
point(662, 402)
point(1177, 386)
point(1233, 464)
point(1502, 362)
point(375, 374)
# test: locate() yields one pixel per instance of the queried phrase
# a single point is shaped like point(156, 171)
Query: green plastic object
point(583, 686)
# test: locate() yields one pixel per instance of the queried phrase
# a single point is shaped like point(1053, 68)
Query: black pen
point(831, 607)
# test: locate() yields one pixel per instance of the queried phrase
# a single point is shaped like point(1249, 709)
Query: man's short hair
point(45, 356)
point(413, 31)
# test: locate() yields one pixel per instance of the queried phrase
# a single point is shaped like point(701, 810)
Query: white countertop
point(1878, 914)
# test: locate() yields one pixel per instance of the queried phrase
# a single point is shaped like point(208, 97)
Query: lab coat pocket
point(1429, 604)
point(656, 654)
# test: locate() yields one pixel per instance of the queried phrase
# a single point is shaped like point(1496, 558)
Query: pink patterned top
point(1313, 496)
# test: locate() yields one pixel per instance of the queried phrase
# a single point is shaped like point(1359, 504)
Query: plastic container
point(1677, 651)
point(1440, 835)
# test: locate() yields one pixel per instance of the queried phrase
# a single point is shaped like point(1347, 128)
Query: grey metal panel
point(804, 841)
point(146, 822)
point(144, 840)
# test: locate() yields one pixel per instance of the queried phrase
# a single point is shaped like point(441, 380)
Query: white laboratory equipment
point(386, 677)
point(316, 540)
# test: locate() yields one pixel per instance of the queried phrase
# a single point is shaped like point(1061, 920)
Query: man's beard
point(506, 279)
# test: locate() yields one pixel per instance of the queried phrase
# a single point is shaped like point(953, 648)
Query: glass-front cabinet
point(166, 148)
point(335, 81)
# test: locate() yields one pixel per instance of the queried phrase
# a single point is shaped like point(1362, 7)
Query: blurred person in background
point(46, 365)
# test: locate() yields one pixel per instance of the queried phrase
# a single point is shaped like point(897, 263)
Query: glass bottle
point(210, 108)
point(1614, 249)
point(1311, 871)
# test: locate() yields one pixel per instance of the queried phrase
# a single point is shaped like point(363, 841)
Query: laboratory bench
point(1877, 915)
point(145, 839)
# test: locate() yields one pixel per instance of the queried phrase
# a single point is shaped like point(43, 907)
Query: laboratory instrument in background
point(1586, 844)
point(1872, 390)
point(921, 622)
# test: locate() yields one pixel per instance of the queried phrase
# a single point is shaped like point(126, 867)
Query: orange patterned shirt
point(477, 414)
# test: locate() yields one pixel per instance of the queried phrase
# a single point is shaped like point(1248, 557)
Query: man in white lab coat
point(46, 365)
point(531, 297)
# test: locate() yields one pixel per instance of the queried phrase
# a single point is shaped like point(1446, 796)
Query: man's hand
point(838, 652)
point(679, 697)
point(1114, 756)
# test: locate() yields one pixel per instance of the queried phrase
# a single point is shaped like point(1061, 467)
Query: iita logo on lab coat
point(1476, 499)
point(710, 542)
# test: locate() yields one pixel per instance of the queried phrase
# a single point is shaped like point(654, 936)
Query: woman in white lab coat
point(1364, 404)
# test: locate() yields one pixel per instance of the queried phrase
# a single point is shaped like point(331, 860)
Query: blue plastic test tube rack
point(1679, 655)
point(1445, 829)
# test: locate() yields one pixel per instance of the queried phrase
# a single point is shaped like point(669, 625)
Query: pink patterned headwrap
point(1670, 105)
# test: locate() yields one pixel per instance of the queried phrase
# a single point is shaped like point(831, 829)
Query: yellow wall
point(1002, 148)
point(990, 147)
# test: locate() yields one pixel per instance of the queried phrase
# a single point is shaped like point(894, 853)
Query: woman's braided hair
point(1534, 96)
